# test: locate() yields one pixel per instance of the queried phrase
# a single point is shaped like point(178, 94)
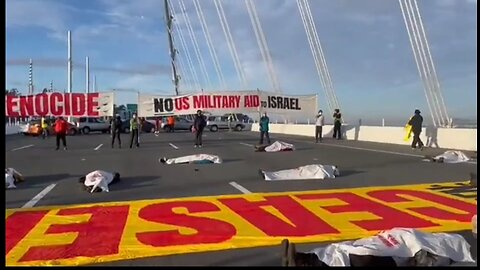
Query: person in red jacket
point(61, 127)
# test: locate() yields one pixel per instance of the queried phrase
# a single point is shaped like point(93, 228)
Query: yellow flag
point(408, 131)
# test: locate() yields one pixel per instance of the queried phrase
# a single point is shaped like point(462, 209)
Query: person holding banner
point(199, 124)
point(416, 122)
point(264, 122)
point(134, 127)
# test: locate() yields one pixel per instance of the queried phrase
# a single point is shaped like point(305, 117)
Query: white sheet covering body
point(100, 179)
point(451, 156)
point(314, 171)
point(195, 158)
point(278, 146)
point(400, 244)
point(10, 175)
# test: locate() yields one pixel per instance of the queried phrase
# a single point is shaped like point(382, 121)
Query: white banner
point(227, 102)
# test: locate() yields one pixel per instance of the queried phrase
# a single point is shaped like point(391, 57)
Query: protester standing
point(416, 122)
point(134, 130)
point(61, 127)
point(264, 127)
point(44, 125)
point(199, 124)
point(116, 129)
point(337, 124)
point(157, 126)
point(171, 123)
point(319, 126)
point(230, 120)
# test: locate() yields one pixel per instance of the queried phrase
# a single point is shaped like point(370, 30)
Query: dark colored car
point(147, 127)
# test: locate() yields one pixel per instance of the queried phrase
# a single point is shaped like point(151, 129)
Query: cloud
point(39, 13)
point(147, 70)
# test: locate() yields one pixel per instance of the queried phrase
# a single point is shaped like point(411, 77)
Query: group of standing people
point(416, 121)
point(117, 127)
point(337, 125)
point(61, 130)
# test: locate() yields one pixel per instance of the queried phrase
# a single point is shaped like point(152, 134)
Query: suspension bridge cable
point(210, 45)
point(231, 44)
point(195, 79)
point(412, 45)
point(315, 56)
point(195, 45)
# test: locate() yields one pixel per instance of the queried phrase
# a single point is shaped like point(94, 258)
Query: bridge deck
point(144, 177)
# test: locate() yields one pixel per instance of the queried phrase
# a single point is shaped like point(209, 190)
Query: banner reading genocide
point(60, 104)
point(227, 102)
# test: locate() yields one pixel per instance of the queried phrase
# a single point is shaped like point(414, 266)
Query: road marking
point(98, 147)
point(39, 196)
point(82, 159)
point(246, 144)
point(173, 145)
point(239, 187)
point(23, 147)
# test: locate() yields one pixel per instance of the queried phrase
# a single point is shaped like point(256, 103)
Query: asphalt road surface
point(361, 164)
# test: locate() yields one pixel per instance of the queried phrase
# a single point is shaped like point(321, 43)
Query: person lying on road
point(12, 177)
point(314, 171)
point(449, 156)
point(197, 159)
point(98, 180)
point(392, 248)
point(277, 146)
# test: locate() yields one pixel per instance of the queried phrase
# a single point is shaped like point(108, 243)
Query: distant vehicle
point(214, 123)
point(34, 128)
point(147, 127)
point(88, 124)
point(181, 123)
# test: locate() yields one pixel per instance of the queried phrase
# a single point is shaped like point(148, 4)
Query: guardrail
point(450, 138)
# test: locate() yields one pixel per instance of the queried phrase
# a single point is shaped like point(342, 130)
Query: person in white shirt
point(319, 126)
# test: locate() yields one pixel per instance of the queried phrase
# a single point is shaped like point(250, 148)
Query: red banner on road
point(60, 104)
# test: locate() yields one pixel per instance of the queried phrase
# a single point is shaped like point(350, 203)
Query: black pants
point(416, 140)
point(264, 134)
point(337, 130)
point(134, 135)
point(318, 133)
point(63, 137)
point(116, 133)
point(198, 137)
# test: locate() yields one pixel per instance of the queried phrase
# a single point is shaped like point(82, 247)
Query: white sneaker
point(195, 146)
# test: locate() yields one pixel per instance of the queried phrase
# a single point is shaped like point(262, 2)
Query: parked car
point(34, 128)
point(214, 123)
point(147, 127)
point(88, 124)
point(181, 123)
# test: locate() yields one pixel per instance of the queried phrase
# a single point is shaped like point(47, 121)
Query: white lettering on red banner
point(60, 104)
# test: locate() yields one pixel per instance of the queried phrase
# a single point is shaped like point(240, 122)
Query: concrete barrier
point(449, 138)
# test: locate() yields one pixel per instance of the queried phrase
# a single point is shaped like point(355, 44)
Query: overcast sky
point(364, 41)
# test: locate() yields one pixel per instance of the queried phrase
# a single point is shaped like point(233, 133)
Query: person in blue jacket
point(264, 122)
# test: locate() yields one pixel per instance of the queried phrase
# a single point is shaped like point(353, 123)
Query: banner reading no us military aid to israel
point(227, 102)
